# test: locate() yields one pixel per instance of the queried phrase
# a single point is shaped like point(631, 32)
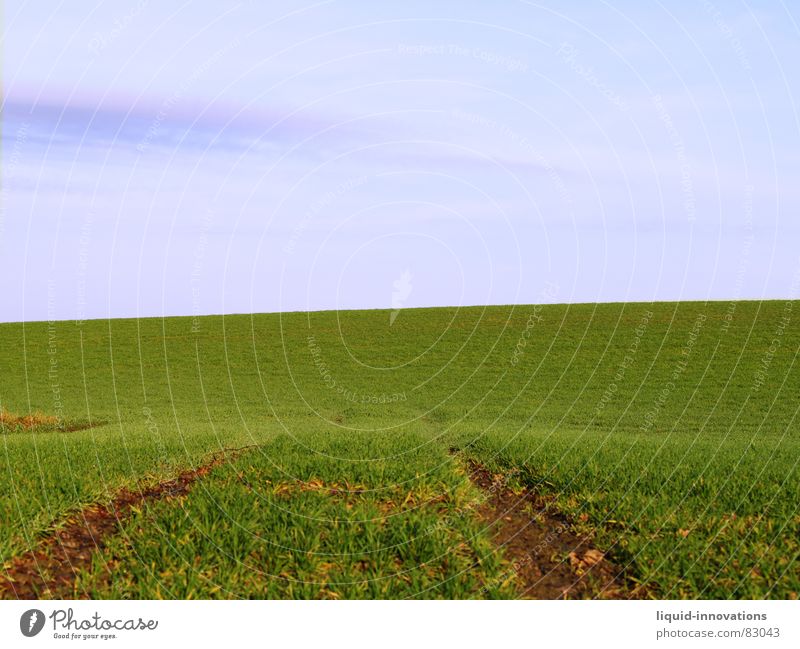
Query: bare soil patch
point(50, 569)
point(547, 558)
point(38, 421)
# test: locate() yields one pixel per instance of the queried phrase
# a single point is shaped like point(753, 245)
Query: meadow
point(667, 433)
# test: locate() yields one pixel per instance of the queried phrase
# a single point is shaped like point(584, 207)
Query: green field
point(668, 432)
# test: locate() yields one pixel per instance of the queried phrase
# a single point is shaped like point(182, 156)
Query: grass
point(668, 431)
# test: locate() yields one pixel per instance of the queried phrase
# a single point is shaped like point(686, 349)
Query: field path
point(547, 559)
point(50, 569)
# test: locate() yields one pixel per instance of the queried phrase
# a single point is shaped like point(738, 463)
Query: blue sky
point(240, 157)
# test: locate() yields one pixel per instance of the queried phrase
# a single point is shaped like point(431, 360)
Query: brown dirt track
point(548, 560)
point(50, 569)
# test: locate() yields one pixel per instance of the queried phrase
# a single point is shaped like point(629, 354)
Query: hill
point(665, 435)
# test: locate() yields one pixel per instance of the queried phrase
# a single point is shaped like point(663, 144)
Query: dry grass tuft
point(32, 420)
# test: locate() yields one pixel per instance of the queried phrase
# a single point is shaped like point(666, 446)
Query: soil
point(50, 569)
point(548, 560)
point(37, 421)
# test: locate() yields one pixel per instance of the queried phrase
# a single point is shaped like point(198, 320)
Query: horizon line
point(78, 321)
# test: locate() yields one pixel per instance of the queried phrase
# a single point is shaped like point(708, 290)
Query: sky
point(198, 158)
